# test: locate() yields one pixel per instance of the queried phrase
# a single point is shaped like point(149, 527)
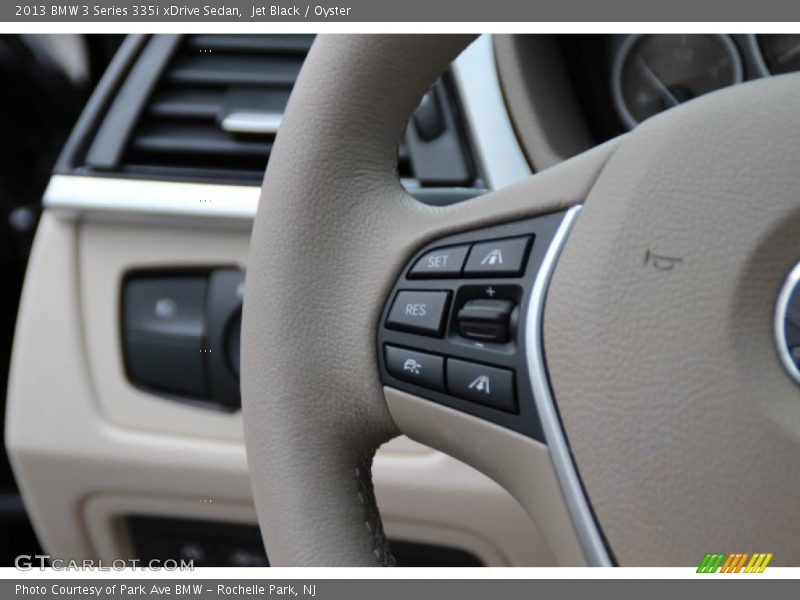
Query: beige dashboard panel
point(89, 449)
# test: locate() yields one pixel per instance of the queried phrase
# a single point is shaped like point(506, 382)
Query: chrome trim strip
point(591, 541)
point(253, 122)
point(778, 325)
point(498, 151)
point(111, 194)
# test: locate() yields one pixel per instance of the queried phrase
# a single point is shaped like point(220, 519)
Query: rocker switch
point(486, 320)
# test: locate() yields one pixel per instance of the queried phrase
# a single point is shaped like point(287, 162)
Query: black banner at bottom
point(733, 588)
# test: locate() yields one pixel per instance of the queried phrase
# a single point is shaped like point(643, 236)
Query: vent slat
point(240, 173)
point(199, 139)
point(235, 70)
point(185, 104)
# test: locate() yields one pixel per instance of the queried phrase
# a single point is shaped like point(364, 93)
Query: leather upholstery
point(316, 277)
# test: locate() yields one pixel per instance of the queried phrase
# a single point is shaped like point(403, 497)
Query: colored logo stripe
point(758, 563)
point(734, 562)
point(711, 563)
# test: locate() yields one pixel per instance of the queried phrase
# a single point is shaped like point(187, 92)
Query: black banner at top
point(459, 11)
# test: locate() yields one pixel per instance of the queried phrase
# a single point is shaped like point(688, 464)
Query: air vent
point(213, 113)
point(215, 110)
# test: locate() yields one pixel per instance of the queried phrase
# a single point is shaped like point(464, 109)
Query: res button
point(419, 312)
point(441, 262)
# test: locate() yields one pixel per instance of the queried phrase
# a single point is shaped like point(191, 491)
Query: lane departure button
point(419, 312)
point(501, 257)
point(441, 262)
point(489, 386)
point(422, 369)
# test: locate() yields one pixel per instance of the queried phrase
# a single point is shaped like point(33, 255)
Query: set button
point(441, 262)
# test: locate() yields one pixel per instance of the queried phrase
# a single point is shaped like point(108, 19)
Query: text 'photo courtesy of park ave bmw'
point(347, 299)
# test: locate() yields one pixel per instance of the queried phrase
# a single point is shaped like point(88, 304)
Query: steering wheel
point(652, 419)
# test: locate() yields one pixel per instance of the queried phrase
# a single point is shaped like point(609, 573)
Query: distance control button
point(441, 262)
point(500, 257)
point(489, 386)
point(419, 311)
point(422, 369)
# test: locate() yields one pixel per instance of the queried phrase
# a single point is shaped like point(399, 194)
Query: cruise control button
point(441, 262)
point(500, 257)
point(489, 386)
point(422, 369)
point(419, 312)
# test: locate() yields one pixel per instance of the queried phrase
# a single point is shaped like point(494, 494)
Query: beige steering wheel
point(654, 420)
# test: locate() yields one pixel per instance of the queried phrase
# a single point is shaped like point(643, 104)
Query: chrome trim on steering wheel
point(588, 532)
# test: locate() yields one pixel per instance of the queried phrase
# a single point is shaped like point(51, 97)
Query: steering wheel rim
point(335, 228)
